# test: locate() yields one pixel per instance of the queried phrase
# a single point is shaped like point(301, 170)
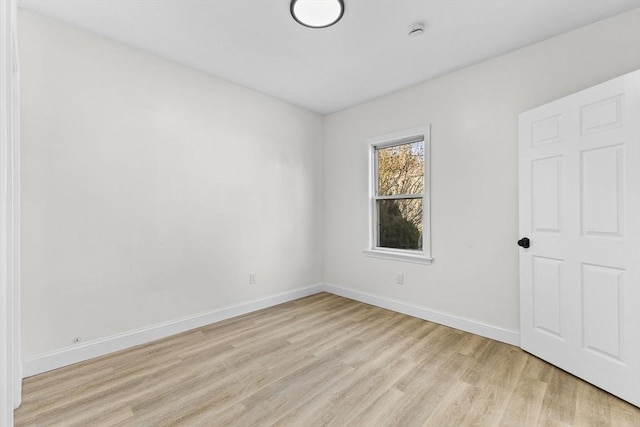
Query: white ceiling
point(257, 44)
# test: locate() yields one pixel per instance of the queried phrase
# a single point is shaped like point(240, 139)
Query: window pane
point(400, 224)
point(401, 169)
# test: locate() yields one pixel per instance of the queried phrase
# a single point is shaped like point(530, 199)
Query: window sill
point(398, 256)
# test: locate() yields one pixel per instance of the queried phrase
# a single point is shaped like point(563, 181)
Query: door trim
point(10, 364)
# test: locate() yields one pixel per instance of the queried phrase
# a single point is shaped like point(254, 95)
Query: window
point(399, 196)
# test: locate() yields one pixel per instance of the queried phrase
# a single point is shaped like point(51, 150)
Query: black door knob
point(524, 242)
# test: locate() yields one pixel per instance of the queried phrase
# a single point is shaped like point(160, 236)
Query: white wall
point(474, 177)
point(151, 191)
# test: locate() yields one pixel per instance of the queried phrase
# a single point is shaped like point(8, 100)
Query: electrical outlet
point(252, 278)
point(399, 278)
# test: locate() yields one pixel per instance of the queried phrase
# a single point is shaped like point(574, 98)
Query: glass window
point(399, 195)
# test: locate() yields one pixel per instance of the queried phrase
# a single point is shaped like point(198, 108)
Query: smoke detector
point(416, 30)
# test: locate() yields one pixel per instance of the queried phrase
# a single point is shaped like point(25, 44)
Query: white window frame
point(389, 140)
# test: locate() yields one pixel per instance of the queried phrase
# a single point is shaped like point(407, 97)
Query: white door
point(580, 210)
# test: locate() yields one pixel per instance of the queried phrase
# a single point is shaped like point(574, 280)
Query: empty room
point(320, 212)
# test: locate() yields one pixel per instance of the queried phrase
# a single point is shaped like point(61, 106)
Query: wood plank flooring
point(320, 360)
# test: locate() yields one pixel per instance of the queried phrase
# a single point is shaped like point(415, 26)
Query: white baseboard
point(85, 351)
point(69, 355)
point(467, 325)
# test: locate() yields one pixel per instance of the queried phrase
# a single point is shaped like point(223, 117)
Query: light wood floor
point(321, 360)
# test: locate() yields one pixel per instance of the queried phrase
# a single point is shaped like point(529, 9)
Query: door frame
point(10, 364)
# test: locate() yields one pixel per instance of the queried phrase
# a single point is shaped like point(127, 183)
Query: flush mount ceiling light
point(317, 13)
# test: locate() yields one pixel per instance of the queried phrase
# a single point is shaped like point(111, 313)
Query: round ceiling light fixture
point(317, 13)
